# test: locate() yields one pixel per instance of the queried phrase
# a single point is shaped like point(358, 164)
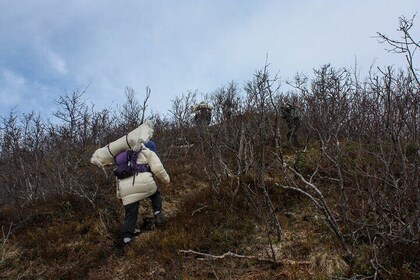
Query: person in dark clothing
point(202, 113)
point(290, 113)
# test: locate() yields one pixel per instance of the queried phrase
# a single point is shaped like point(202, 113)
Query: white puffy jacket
point(144, 183)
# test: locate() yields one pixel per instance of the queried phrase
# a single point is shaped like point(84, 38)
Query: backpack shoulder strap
point(126, 140)
point(109, 150)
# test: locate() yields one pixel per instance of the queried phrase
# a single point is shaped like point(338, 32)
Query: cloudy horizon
point(50, 48)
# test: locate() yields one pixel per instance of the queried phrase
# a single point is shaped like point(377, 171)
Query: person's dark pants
point(293, 125)
point(132, 210)
point(130, 220)
point(156, 200)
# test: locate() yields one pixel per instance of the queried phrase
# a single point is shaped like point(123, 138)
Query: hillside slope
point(69, 238)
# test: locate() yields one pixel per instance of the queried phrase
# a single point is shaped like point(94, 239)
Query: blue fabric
point(151, 146)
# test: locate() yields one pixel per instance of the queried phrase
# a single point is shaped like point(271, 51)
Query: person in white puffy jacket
point(144, 186)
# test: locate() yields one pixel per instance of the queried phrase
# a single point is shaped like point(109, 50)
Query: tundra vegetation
point(244, 203)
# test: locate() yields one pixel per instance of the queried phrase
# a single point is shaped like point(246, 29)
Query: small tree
point(407, 45)
point(132, 112)
point(181, 109)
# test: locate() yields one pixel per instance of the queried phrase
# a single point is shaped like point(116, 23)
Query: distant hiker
point(227, 108)
point(133, 189)
point(202, 113)
point(290, 113)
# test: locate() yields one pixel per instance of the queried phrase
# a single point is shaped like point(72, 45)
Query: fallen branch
point(198, 210)
point(230, 254)
point(3, 242)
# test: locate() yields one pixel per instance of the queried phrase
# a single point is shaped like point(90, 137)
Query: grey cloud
point(182, 45)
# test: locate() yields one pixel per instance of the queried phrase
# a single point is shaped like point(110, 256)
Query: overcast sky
point(51, 47)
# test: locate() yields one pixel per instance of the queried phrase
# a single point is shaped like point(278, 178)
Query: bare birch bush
point(384, 171)
point(42, 159)
point(364, 134)
point(229, 129)
point(131, 113)
point(180, 134)
point(181, 107)
point(24, 140)
point(234, 146)
point(259, 99)
point(407, 44)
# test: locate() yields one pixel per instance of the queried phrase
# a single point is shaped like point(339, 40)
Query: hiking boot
point(126, 245)
point(158, 219)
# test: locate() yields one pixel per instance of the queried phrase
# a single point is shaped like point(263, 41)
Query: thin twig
point(230, 254)
point(4, 240)
point(198, 210)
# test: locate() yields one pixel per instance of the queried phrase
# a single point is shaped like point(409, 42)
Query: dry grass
point(84, 245)
point(68, 238)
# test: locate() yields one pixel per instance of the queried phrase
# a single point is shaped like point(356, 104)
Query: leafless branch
point(205, 256)
point(5, 237)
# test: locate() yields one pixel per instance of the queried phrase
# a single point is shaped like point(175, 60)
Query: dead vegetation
point(247, 201)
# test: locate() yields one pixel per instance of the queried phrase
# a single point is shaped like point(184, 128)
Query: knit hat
point(151, 146)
